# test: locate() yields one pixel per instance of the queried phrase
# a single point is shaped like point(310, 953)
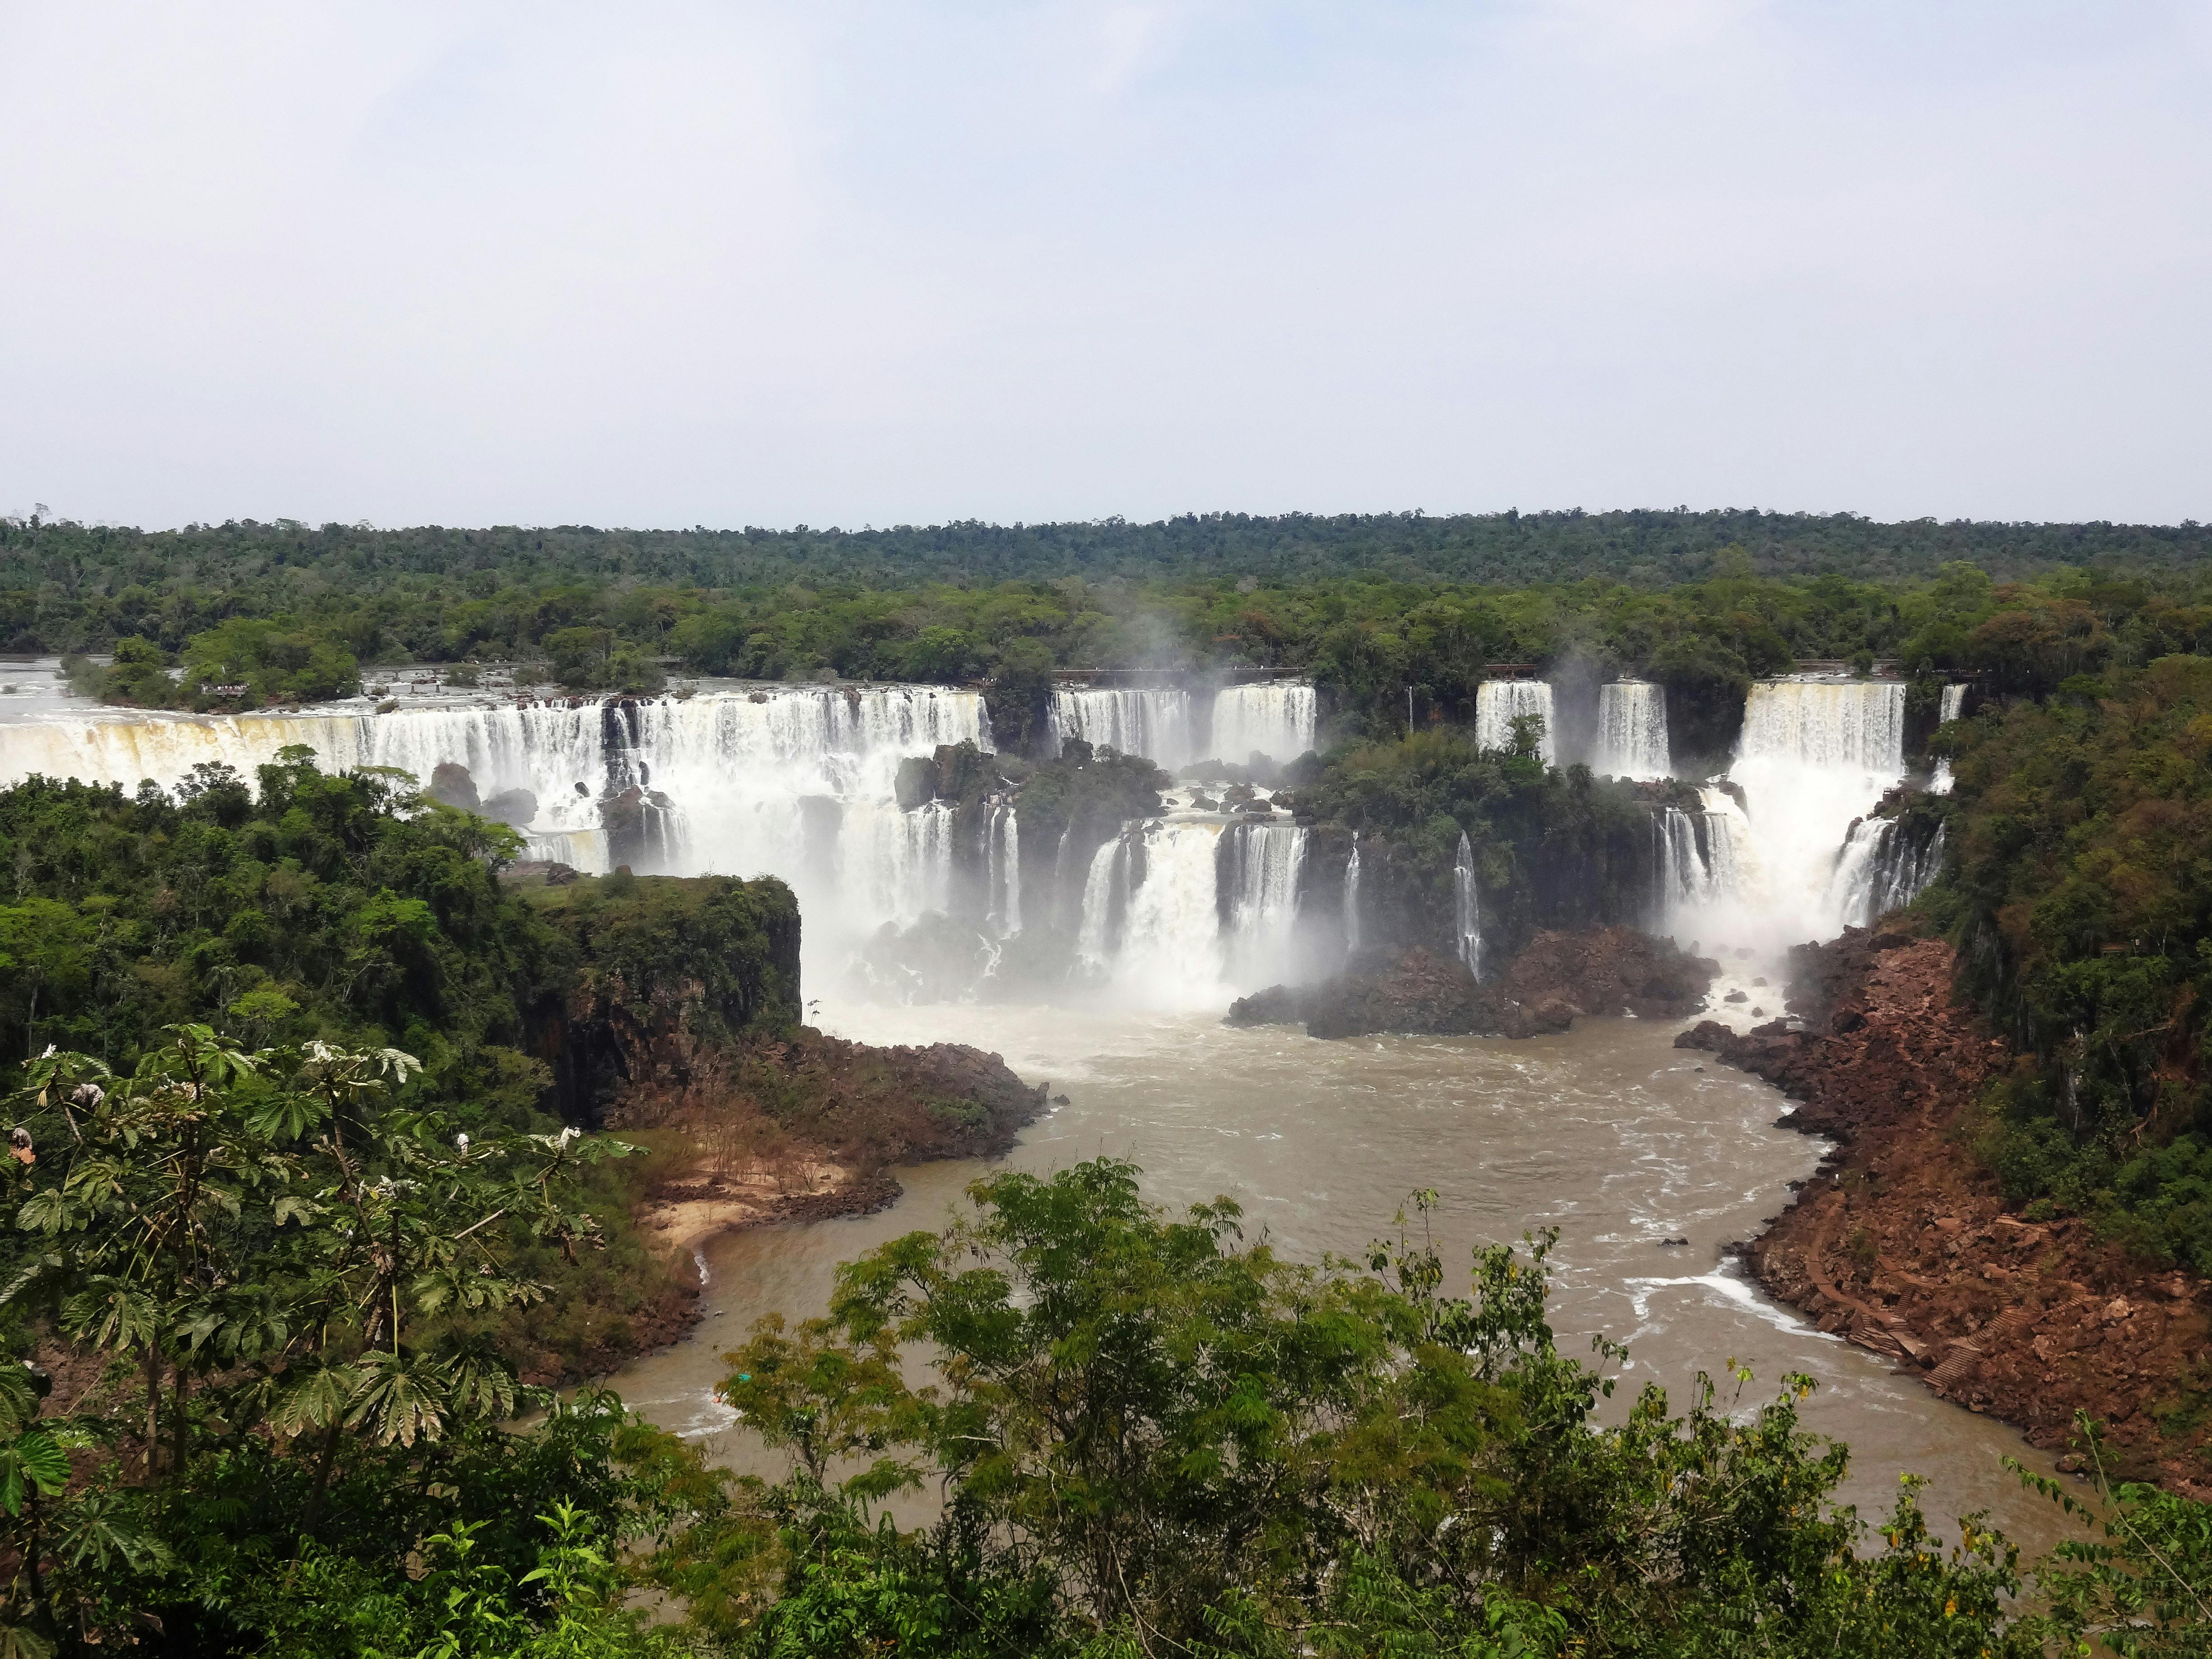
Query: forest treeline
point(228, 631)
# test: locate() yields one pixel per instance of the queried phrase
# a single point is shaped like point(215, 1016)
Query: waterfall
point(1498, 703)
point(1276, 720)
point(1815, 754)
point(1352, 901)
point(898, 866)
point(1177, 911)
point(1632, 730)
point(1954, 706)
point(1884, 866)
point(1258, 888)
point(1105, 905)
point(1699, 857)
point(1835, 726)
point(1153, 721)
point(732, 781)
point(1171, 949)
point(998, 838)
point(1467, 905)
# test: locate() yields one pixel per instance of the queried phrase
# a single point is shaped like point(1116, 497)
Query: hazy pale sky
point(842, 264)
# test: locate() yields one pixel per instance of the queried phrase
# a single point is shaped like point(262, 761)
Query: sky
point(870, 263)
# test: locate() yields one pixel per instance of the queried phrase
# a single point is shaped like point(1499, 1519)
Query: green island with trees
point(303, 1254)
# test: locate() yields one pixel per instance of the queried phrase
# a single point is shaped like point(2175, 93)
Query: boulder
point(517, 807)
point(452, 786)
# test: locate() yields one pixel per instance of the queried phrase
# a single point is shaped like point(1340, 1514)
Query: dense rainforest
point(283, 1177)
point(300, 1180)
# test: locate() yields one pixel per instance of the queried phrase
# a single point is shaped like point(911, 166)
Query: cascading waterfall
point(1155, 932)
point(1699, 857)
point(1275, 720)
point(730, 781)
point(1466, 904)
point(1153, 721)
point(1815, 754)
point(1176, 910)
point(1884, 866)
point(1105, 906)
point(1953, 705)
point(1632, 731)
point(1258, 895)
point(1498, 703)
point(1007, 915)
point(1352, 901)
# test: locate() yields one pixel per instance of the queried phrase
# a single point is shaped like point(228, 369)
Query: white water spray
point(1498, 703)
point(1632, 731)
point(1153, 721)
point(1275, 720)
point(1815, 754)
point(1467, 907)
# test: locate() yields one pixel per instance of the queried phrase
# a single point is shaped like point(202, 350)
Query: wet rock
point(2029, 1322)
point(1555, 980)
point(1736, 996)
point(517, 807)
point(452, 786)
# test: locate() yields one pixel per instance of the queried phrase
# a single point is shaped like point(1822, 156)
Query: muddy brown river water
point(1606, 1132)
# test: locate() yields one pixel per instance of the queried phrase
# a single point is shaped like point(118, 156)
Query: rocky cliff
point(1903, 1244)
point(656, 979)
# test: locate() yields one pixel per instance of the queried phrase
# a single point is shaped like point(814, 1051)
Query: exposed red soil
point(1904, 1243)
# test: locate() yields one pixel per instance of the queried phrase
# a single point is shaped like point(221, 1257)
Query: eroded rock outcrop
point(1904, 1243)
point(1559, 976)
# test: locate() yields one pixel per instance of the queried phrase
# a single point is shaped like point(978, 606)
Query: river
point(1606, 1132)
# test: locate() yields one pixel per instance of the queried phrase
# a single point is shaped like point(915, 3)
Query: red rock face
point(1904, 1243)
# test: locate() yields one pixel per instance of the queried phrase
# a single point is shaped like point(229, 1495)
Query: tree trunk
point(152, 1408)
point(324, 1461)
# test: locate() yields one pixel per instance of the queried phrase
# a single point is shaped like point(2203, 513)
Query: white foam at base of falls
point(1153, 721)
point(1467, 908)
point(1498, 703)
point(1273, 719)
point(1632, 731)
